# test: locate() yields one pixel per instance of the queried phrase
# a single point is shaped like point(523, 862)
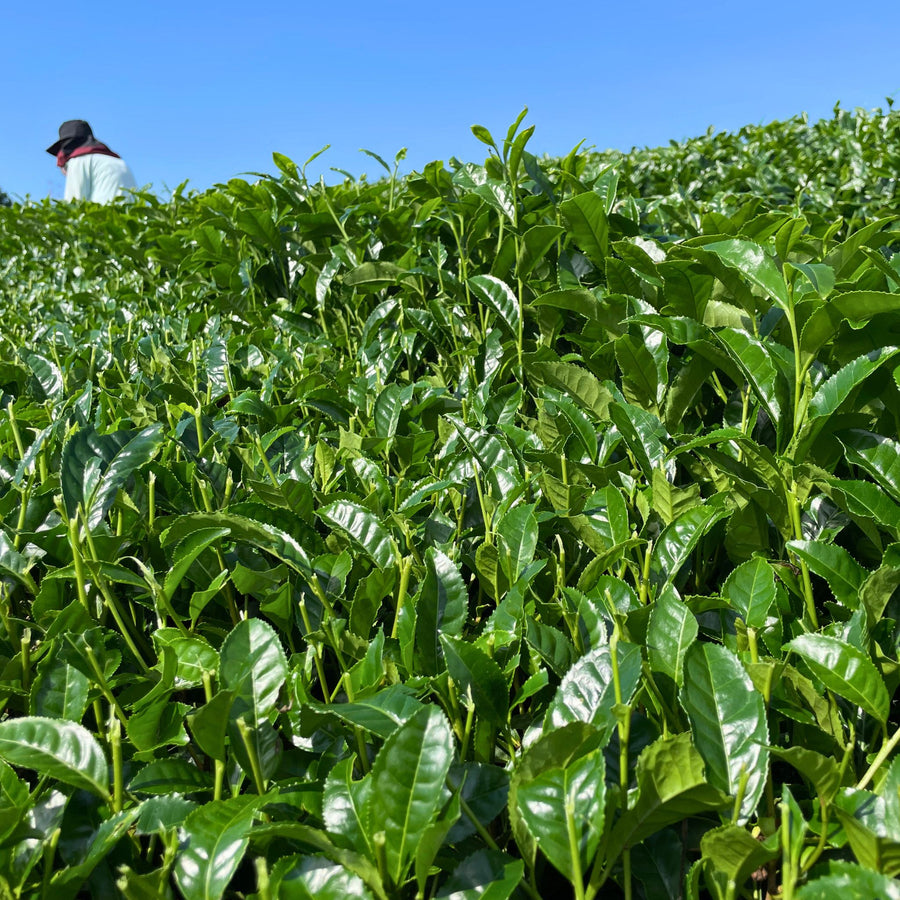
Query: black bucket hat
point(72, 134)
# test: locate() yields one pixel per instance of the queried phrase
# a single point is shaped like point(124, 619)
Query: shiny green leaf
point(835, 390)
point(671, 787)
point(497, 296)
point(402, 808)
point(846, 880)
point(586, 217)
point(728, 721)
point(750, 589)
point(844, 669)
point(563, 800)
point(672, 630)
point(679, 539)
point(752, 262)
point(215, 839)
point(844, 575)
point(485, 875)
point(57, 749)
point(363, 529)
point(587, 692)
point(472, 669)
point(441, 608)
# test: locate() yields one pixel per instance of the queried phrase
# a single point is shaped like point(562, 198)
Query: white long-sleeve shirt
point(97, 177)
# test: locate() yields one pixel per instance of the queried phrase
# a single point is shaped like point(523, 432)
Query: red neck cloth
point(62, 157)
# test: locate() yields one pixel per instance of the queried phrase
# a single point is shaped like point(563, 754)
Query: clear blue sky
point(203, 91)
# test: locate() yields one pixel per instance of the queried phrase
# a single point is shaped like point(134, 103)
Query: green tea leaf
point(835, 390)
point(472, 669)
point(567, 798)
point(216, 837)
point(671, 787)
point(60, 691)
point(671, 631)
point(587, 692)
point(497, 296)
point(241, 528)
point(844, 669)
point(750, 589)
point(186, 552)
point(518, 534)
point(402, 808)
point(485, 875)
point(853, 306)
point(362, 528)
point(14, 800)
point(878, 455)
point(680, 538)
point(586, 216)
point(728, 721)
point(166, 776)
point(252, 665)
point(733, 854)
point(849, 880)
point(752, 262)
point(57, 749)
point(442, 608)
point(845, 576)
point(316, 878)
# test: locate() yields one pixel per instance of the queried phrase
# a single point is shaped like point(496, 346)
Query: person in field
point(93, 171)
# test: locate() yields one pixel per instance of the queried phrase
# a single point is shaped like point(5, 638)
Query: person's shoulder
point(77, 163)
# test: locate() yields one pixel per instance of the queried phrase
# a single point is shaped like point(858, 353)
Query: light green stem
point(574, 852)
point(255, 767)
point(405, 569)
point(887, 748)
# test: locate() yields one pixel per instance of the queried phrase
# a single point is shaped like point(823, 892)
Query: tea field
point(525, 529)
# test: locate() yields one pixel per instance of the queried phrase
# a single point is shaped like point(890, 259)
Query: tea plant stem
point(817, 851)
point(794, 508)
point(75, 544)
point(467, 730)
point(520, 335)
point(470, 814)
point(23, 513)
point(799, 374)
point(14, 426)
point(263, 888)
point(265, 462)
point(250, 747)
point(753, 645)
point(745, 408)
point(317, 659)
point(623, 716)
point(103, 684)
point(485, 517)
point(6, 614)
point(739, 795)
point(115, 745)
point(574, 850)
point(334, 215)
point(49, 854)
point(645, 575)
point(655, 695)
point(887, 748)
point(151, 500)
point(97, 709)
point(405, 569)
point(485, 835)
point(788, 873)
point(219, 765)
point(111, 602)
point(379, 839)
